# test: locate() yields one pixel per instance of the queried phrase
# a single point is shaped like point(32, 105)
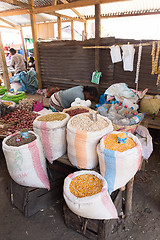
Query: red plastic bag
point(38, 105)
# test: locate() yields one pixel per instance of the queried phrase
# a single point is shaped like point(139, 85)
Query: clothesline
point(120, 45)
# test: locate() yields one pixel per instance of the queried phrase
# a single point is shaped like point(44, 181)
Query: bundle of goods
point(52, 131)
point(25, 159)
point(26, 104)
point(119, 156)
point(83, 135)
point(3, 90)
point(9, 104)
point(18, 120)
point(86, 194)
point(79, 102)
point(123, 118)
point(150, 104)
point(4, 108)
point(72, 111)
point(14, 97)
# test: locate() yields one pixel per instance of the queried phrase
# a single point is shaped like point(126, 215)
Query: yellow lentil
point(85, 185)
point(7, 103)
point(52, 117)
point(111, 142)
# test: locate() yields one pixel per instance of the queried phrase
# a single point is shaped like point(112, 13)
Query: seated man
point(17, 61)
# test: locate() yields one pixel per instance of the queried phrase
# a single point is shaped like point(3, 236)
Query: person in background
point(31, 63)
point(63, 99)
point(17, 61)
point(8, 58)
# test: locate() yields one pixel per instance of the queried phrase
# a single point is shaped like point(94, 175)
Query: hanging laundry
point(128, 57)
point(115, 54)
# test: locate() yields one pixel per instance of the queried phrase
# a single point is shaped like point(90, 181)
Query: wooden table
point(151, 122)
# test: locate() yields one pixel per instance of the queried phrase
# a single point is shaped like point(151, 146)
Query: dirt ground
point(144, 224)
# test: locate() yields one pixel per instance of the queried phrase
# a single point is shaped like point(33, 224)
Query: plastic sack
point(81, 145)
point(96, 77)
point(119, 167)
point(38, 105)
point(53, 136)
point(146, 141)
point(98, 206)
point(26, 164)
point(115, 54)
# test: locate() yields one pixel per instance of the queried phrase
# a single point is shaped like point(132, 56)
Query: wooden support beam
point(72, 30)
point(35, 43)
point(73, 10)
point(76, 4)
point(4, 65)
point(9, 23)
point(14, 12)
point(65, 16)
point(54, 2)
point(97, 36)
point(59, 21)
point(128, 200)
point(23, 45)
point(17, 3)
point(1, 26)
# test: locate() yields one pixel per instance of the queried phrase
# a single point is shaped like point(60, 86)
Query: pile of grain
point(52, 117)
point(83, 122)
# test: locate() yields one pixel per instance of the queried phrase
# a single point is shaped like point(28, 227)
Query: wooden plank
point(65, 16)
point(9, 23)
point(76, 4)
point(97, 36)
point(2, 26)
point(4, 65)
point(51, 30)
point(34, 36)
point(24, 50)
point(74, 10)
point(59, 21)
point(17, 3)
point(14, 12)
point(72, 30)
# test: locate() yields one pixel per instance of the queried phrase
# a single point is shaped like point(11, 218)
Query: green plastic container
point(14, 97)
point(2, 90)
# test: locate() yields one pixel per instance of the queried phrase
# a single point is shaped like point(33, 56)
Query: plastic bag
point(96, 77)
point(38, 105)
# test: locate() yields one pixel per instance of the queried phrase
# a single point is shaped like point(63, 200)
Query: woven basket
point(76, 107)
point(130, 128)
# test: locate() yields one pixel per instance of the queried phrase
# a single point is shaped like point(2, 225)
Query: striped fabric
point(55, 103)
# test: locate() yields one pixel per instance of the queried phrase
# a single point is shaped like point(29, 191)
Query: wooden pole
point(35, 43)
point(72, 30)
point(97, 36)
point(59, 21)
point(85, 30)
point(23, 45)
point(128, 200)
point(4, 65)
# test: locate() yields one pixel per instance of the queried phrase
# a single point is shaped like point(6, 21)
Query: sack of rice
point(86, 194)
point(150, 105)
point(119, 156)
point(83, 135)
point(51, 129)
point(25, 160)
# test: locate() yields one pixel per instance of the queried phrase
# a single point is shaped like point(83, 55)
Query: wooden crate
point(92, 228)
point(31, 200)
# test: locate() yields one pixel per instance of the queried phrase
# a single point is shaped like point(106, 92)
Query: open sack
point(26, 164)
point(98, 206)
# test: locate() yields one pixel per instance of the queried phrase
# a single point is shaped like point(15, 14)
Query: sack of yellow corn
point(83, 135)
point(86, 194)
point(119, 156)
point(51, 129)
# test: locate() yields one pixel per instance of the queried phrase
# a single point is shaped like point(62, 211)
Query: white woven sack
point(26, 164)
point(81, 145)
point(119, 167)
point(98, 206)
point(53, 136)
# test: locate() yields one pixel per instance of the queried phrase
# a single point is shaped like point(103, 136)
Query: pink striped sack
point(26, 164)
point(119, 167)
point(81, 145)
point(53, 136)
point(97, 206)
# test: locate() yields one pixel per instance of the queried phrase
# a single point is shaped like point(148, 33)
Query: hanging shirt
point(115, 54)
point(18, 63)
point(128, 57)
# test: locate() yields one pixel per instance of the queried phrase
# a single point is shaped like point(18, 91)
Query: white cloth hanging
point(115, 54)
point(128, 57)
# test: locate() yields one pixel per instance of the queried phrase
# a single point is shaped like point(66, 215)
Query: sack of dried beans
point(26, 162)
point(86, 194)
point(52, 131)
point(83, 135)
point(119, 156)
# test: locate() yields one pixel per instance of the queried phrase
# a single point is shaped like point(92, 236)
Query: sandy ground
point(144, 223)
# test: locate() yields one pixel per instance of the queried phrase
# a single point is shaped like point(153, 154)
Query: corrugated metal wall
point(66, 64)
